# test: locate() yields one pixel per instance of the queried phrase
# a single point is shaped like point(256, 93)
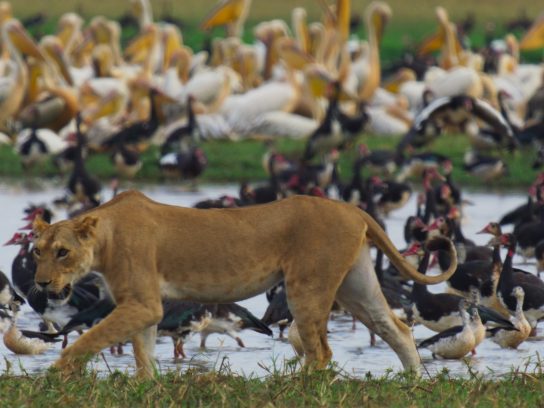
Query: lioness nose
point(43, 285)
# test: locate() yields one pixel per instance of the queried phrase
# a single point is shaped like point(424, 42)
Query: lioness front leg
point(128, 320)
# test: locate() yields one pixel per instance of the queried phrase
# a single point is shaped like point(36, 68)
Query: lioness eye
point(36, 252)
point(62, 253)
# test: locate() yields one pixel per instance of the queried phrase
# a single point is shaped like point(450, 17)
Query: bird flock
point(79, 92)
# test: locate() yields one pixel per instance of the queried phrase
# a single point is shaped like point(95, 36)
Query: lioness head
point(63, 252)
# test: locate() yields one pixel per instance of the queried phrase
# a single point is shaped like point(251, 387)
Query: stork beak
point(534, 39)
point(22, 40)
point(485, 230)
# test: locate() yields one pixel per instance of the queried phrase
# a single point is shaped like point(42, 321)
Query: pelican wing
point(284, 124)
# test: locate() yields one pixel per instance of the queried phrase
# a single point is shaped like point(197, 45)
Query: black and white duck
point(533, 304)
point(180, 319)
point(455, 342)
point(229, 319)
point(277, 311)
point(23, 267)
point(508, 337)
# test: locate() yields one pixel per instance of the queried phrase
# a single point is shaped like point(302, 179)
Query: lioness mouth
point(62, 295)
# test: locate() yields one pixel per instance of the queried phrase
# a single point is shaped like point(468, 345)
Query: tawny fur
point(146, 250)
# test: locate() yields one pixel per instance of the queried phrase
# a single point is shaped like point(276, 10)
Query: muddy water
point(351, 348)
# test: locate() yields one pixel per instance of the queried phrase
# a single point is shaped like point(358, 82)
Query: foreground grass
point(298, 388)
point(233, 162)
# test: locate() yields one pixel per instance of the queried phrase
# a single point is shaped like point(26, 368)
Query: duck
point(175, 135)
point(180, 319)
point(539, 255)
point(126, 160)
point(439, 311)
point(33, 210)
point(82, 186)
point(508, 337)
point(35, 146)
point(533, 304)
point(225, 201)
point(81, 320)
point(278, 310)
point(455, 342)
point(529, 234)
point(379, 161)
point(8, 295)
point(187, 164)
point(23, 267)
point(487, 168)
point(414, 165)
point(476, 323)
point(394, 197)
point(336, 130)
point(6, 316)
point(140, 131)
point(481, 274)
point(429, 122)
point(229, 319)
point(16, 341)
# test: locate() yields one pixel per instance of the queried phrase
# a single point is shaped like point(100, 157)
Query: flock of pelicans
point(78, 92)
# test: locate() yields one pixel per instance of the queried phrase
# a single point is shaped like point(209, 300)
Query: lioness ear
point(39, 225)
point(85, 227)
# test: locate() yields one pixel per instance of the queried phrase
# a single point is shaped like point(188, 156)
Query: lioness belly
point(224, 290)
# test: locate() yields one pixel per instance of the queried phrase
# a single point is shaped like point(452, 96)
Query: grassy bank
point(232, 162)
point(327, 388)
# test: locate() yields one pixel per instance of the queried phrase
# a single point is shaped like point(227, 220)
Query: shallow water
point(351, 348)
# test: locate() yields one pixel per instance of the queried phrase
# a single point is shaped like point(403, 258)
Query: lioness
point(147, 250)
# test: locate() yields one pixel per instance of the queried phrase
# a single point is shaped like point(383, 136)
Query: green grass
point(296, 388)
point(232, 162)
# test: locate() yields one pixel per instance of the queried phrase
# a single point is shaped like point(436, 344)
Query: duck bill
point(485, 230)
point(534, 39)
point(27, 227)
point(23, 42)
point(12, 241)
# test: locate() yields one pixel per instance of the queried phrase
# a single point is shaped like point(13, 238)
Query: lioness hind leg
point(311, 313)
point(361, 294)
